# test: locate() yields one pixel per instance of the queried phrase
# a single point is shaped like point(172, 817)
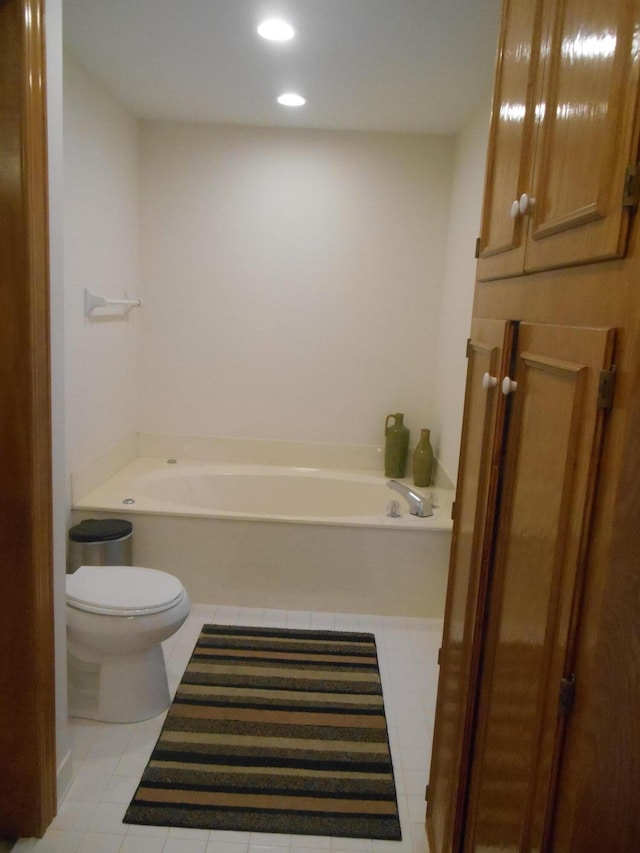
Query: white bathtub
point(279, 537)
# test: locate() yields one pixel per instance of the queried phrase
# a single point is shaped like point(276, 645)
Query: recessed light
point(275, 29)
point(290, 99)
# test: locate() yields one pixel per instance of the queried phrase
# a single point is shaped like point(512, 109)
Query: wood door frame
point(27, 661)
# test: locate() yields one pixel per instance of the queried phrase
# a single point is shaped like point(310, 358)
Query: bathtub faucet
point(419, 505)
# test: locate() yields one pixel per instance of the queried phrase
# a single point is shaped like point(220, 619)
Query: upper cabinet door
point(511, 137)
point(586, 137)
point(488, 353)
point(564, 130)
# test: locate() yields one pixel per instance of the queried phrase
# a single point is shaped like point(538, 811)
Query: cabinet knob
point(526, 203)
point(514, 210)
point(508, 386)
point(489, 381)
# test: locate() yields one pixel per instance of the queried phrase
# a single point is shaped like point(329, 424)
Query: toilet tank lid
point(100, 530)
point(122, 590)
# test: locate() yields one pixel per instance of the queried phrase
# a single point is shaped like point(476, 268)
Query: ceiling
point(382, 65)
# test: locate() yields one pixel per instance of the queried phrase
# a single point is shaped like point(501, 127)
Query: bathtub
point(281, 537)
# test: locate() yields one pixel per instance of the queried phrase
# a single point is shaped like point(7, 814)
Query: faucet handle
point(427, 506)
point(393, 509)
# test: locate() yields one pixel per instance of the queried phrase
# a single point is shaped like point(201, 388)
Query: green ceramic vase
point(423, 460)
point(396, 446)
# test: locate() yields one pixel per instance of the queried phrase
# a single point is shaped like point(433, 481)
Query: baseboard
point(64, 776)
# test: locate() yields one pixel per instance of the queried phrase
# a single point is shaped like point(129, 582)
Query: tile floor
point(108, 759)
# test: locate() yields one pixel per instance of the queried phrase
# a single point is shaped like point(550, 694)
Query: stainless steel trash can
point(100, 542)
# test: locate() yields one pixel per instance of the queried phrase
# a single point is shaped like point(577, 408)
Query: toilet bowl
point(117, 617)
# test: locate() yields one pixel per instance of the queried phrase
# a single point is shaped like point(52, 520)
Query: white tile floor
point(108, 759)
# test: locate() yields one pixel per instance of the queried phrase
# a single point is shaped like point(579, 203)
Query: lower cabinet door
point(488, 346)
point(553, 437)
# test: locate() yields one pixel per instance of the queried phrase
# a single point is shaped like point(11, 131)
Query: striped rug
point(274, 730)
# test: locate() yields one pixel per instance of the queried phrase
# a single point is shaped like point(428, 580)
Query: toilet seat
point(122, 590)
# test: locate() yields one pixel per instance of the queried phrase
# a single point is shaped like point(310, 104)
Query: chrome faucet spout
point(419, 505)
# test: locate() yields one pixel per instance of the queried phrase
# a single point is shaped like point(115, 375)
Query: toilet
point(117, 617)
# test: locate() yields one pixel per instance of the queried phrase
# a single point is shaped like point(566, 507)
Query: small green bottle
point(396, 446)
point(423, 460)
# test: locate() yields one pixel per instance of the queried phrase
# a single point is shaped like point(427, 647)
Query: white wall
point(53, 28)
point(457, 301)
point(291, 280)
point(101, 244)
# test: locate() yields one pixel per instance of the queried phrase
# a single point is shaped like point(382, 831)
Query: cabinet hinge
point(606, 388)
point(426, 793)
point(631, 189)
point(477, 247)
point(453, 510)
point(439, 655)
point(468, 350)
point(567, 694)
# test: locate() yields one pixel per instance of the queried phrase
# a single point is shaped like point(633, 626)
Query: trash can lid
point(100, 530)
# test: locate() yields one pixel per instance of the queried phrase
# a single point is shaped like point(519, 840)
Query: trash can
point(100, 542)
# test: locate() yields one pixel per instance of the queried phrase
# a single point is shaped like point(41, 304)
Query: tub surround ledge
point(350, 457)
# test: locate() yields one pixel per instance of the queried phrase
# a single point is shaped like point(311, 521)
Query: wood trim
point(27, 709)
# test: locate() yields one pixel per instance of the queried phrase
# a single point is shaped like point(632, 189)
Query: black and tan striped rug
point(274, 730)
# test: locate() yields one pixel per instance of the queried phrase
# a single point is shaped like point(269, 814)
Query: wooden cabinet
point(549, 479)
point(530, 450)
point(537, 730)
point(562, 137)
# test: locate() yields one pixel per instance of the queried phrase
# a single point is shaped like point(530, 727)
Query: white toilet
point(117, 617)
